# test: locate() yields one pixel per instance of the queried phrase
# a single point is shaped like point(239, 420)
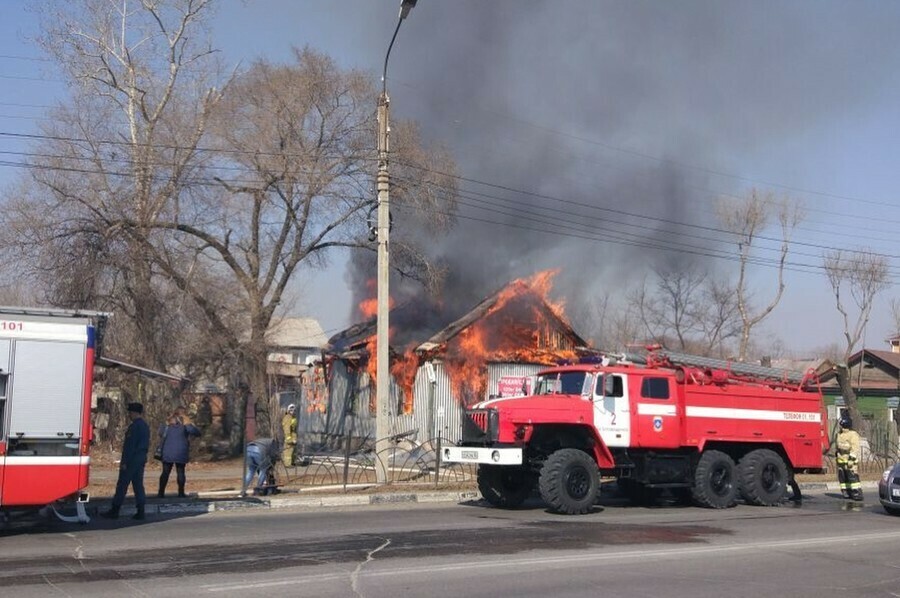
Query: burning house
point(492, 350)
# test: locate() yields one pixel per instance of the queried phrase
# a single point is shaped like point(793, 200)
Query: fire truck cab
point(710, 434)
point(46, 371)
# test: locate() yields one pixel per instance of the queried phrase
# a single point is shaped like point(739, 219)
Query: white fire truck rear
point(46, 372)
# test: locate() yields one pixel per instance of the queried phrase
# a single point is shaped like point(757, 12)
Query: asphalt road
point(823, 547)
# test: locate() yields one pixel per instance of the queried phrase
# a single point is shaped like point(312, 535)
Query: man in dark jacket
point(131, 467)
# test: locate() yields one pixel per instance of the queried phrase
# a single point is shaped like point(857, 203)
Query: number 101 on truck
point(709, 430)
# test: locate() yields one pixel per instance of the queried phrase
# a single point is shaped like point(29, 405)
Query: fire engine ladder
point(735, 367)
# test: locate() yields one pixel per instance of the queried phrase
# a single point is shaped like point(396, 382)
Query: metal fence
point(353, 462)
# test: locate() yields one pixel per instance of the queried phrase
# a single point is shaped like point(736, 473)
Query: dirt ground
point(202, 475)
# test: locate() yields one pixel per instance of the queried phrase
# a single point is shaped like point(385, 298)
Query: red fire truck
point(46, 370)
point(708, 429)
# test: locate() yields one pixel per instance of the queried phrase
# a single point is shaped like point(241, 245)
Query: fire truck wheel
point(763, 475)
point(569, 482)
point(715, 485)
point(503, 486)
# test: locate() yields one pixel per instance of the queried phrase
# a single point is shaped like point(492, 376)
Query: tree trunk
point(849, 395)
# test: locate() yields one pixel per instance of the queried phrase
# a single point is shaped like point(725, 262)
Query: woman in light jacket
point(175, 440)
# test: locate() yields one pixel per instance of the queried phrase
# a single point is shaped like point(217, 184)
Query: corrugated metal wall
point(435, 409)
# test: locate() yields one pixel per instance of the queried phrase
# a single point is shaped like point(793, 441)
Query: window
point(655, 388)
point(618, 388)
point(569, 383)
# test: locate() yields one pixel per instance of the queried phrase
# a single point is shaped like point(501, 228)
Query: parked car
point(889, 489)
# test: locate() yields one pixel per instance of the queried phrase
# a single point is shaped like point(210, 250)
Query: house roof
point(412, 321)
point(887, 362)
point(128, 368)
point(801, 366)
point(409, 322)
point(296, 332)
point(888, 358)
point(484, 308)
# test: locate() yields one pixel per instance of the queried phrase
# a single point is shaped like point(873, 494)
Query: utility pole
point(382, 336)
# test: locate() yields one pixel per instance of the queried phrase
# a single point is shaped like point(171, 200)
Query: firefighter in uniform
point(289, 427)
point(848, 455)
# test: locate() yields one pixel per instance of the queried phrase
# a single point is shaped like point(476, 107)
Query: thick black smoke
point(618, 109)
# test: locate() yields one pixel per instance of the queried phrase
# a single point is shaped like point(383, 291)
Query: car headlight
point(886, 474)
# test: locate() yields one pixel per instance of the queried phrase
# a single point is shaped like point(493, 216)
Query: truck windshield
point(567, 383)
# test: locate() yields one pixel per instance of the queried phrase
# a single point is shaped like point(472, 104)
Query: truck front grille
point(479, 418)
point(480, 426)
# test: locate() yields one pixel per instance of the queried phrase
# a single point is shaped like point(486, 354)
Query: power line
point(19, 57)
point(464, 179)
point(211, 181)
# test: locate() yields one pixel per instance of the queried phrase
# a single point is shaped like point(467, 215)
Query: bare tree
point(717, 318)
point(687, 310)
point(121, 150)
point(895, 315)
point(188, 201)
point(297, 145)
point(863, 275)
point(747, 220)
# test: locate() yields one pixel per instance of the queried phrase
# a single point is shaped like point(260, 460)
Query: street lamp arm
point(388, 55)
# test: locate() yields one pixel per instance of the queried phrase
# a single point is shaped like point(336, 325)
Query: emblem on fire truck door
point(657, 424)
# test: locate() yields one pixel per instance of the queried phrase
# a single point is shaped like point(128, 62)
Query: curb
point(833, 485)
point(201, 505)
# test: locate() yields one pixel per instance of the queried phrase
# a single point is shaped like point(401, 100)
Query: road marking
point(569, 559)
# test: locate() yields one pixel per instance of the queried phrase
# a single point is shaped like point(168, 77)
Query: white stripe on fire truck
point(725, 413)
point(651, 409)
point(492, 402)
point(19, 460)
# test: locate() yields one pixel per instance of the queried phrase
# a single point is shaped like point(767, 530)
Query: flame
point(368, 308)
point(521, 326)
point(403, 367)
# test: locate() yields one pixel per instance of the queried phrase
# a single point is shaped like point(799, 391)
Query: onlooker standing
point(289, 427)
point(175, 441)
point(260, 456)
point(131, 465)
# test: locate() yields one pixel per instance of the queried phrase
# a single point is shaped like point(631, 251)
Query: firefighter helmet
point(846, 422)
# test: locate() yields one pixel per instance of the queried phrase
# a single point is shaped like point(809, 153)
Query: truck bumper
point(488, 456)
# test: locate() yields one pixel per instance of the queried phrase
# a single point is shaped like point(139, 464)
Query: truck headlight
point(886, 475)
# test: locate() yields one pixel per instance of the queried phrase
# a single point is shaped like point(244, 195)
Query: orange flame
point(403, 368)
point(521, 326)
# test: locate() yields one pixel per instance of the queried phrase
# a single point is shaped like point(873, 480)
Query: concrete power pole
point(382, 340)
point(382, 337)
